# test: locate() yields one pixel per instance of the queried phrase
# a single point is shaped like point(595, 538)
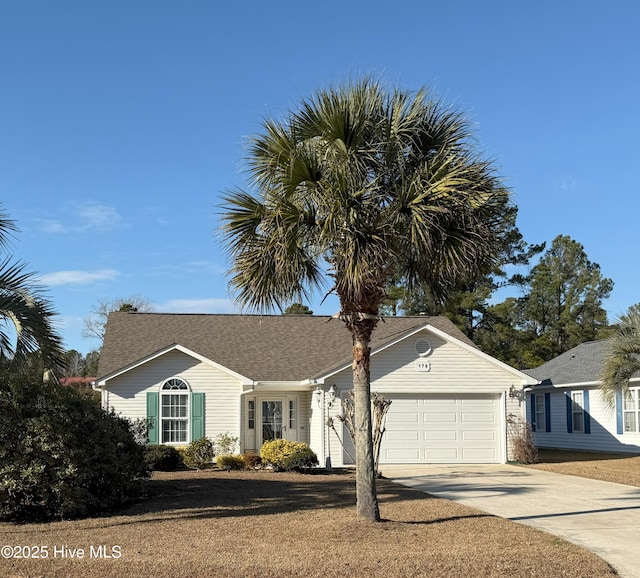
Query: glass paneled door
point(279, 418)
point(272, 426)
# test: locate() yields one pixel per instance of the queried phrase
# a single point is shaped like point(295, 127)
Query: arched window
point(174, 411)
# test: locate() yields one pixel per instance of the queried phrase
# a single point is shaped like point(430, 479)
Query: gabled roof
point(580, 365)
point(260, 347)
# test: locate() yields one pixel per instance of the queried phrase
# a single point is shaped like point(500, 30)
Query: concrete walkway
point(600, 516)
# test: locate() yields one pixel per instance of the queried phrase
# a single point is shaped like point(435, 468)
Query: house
point(282, 376)
point(567, 411)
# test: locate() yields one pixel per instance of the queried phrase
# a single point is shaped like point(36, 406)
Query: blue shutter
point(587, 417)
point(569, 414)
point(197, 416)
point(619, 407)
point(547, 412)
point(532, 405)
point(152, 417)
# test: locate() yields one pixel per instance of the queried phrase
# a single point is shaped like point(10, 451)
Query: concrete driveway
point(600, 516)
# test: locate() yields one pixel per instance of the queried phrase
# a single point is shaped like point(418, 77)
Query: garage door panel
point(407, 455)
point(465, 428)
point(443, 417)
point(441, 455)
point(478, 417)
point(449, 436)
point(479, 435)
point(403, 435)
point(410, 417)
point(478, 401)
point(479, 455)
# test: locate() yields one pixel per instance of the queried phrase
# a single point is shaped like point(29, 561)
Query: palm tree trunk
point(366, 498)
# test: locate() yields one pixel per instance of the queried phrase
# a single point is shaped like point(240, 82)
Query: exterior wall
point(127, 393)
point(452, 370)
point(603, 436)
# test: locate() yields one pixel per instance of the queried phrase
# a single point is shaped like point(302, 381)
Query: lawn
point(262, 523)
point(608, 467)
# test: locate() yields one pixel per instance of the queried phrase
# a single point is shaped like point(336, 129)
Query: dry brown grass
point(608, 467)
point(254, 524)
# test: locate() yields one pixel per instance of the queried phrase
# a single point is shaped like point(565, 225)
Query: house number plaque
point(423, 365)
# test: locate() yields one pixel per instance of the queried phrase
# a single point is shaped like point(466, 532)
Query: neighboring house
point(265, 377)
point(567, 410)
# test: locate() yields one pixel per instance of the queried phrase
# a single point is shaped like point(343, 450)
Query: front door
point(278, 419)
point(272, 426)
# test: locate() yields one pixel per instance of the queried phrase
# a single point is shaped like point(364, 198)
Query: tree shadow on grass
point(215, 494)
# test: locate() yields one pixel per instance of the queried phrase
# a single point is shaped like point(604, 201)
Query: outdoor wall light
point(516, 393)
point(317, 395)
point(332, 395)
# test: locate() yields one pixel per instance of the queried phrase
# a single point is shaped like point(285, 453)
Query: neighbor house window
point(251, 414)
point(174, 411)
point(631, 411)
point(577, 411)
point(540, 417)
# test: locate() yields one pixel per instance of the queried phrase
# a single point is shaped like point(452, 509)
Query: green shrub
point(230, 462)
point(224, 444)
point(285, 455)
point(251, 460)
point(62, 456)
point(199, 454)
point(162, 458)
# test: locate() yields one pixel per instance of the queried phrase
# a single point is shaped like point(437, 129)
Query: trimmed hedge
point(284, 455)
point(230, 462)
point(163, 458)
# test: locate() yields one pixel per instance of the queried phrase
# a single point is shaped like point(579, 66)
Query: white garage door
point(442, 429)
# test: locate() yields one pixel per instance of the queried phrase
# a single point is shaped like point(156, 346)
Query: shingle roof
point(262, 348)
point(582, 364)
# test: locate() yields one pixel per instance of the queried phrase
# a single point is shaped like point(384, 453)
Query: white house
point(265, 377)
point(567, 410)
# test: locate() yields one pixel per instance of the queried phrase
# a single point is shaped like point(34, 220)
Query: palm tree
point(26, 326)
point(370, 185)
point(622, 357)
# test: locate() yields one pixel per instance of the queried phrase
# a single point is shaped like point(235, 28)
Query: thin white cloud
point(95, 215)
point(211, 305)
point(189, 268)
point(87, 216)
point(79, 277)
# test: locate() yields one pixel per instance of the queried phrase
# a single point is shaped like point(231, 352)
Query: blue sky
point(122, 122)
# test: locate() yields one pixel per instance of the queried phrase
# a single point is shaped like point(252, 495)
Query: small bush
point(522, 441)
point(162, 458)
point(61, 455)
point(224, 444)
point(230, 462)
point(251, 460)
point(285, 455)
point(199, 454)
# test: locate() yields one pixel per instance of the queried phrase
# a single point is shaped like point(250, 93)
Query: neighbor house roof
point(582, 364)
point(259, 347)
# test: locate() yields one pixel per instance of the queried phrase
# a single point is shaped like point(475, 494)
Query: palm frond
point(622, 357)
point(28, 317)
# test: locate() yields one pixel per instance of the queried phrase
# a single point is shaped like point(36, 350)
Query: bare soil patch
point(608, 467)
point(253, 524)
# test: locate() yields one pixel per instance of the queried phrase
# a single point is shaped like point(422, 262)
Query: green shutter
point(152, 417)
point(197, 416)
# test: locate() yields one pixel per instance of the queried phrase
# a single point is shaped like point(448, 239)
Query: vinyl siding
point(126, 394)
point(603, 436)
